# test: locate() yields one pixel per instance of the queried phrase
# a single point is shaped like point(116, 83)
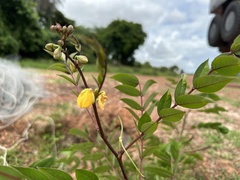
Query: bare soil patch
point(60, 104)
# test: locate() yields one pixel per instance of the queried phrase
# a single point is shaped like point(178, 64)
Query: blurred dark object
point(225, 25)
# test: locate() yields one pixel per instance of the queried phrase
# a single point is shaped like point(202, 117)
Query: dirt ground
point(59, 96)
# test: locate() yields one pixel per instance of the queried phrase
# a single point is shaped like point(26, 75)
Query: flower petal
point(85, 98)
point(102, 98)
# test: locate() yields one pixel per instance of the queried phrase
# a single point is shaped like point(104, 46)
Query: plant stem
point(80, 72)
point(133, 142)
point(101, 132)
point(158, 120)
point(200, 149)
point(141, 139)
point(141, 157)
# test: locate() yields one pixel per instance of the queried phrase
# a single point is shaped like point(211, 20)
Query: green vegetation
point(39, 64)
point(144, 70)
point(29, 31)
point(110, 153)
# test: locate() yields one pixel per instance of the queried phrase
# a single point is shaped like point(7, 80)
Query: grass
point(46, 63)
point(38, 63)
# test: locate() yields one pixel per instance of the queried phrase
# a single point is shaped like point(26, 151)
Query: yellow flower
point(102, 98)
point(86, 98)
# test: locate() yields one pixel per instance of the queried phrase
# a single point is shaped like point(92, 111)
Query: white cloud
point(177, 30)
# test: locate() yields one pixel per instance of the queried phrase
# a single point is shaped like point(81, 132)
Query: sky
point(176, 29)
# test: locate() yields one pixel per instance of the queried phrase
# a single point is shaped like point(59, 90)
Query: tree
point(20, 29)
point(22, 26)
point(120, 40)
point(49, 14)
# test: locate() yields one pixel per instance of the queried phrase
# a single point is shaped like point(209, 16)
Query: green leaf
point(210, 125)
point(216, 109)
point(48, 162)
point(133, 113)
point(151, 108)
point(162, 172)
point(192, 101)
point(172, 81)
point(214, 97)
point(129, 90)
point(102, 169)
point(82, 174)
point(9, 173)
point(211, 83)
point(171, 115)
point(96, 80)
point(55, 174)
point(214, 125)
point(133, 104)
point(101, 57)
point(100, 79)
point(84, 146)
point(59, 67)
point(164, 156)
point(109, 177)
point(175, 149)
point(227, 65)
point(181, 87)
point(149, 150)
point(149, 100)
point(144, 119)
point(93, 156)
point(67, 78)
point(223, 129)
point(79, 133)
point(149, 127)
point(196, 156)
point(164, 102)
point(78, 78)
point(72, 55)
point(167, 123)
point(127, 79)
point(235, 47)
point(202, 70)
point(31, 173)
point(146, 86)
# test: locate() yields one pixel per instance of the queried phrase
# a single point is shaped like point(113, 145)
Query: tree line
point(24, 29)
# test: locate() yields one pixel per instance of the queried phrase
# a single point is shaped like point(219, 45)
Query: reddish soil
point(59, 93)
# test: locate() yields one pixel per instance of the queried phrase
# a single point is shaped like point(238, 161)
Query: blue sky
point(176, 30)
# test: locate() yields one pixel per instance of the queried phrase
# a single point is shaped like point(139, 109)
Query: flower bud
point(64, 29)
point(71, 66)
point(85, 98)
point(51, 47)
point(70, 29)
point(57, 53)
point(58, 26)
point(81, 59)
point(60, 43)
point(63, 57)
point(53, 28)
